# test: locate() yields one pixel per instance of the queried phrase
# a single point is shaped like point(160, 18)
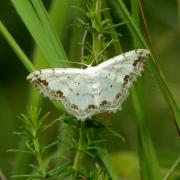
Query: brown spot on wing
point(126, 79)
point(103, 103)
point(59, 93)
point(43, 82)
point(136, 62)
point(74, 106)
point(118, 95)
point(91, 106)
point(141, 57)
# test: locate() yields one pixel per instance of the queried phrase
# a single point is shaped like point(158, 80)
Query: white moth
point(87, 92)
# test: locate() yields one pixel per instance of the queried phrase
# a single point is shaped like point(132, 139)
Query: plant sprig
point(33, 128)
point(88, 143)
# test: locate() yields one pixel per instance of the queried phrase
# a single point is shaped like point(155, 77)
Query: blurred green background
point(164, 27)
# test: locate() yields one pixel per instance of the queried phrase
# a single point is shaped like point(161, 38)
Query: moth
point(87, 92)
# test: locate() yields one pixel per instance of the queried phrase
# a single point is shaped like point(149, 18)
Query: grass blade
point(41, 30)
point(60, 13)
point(149, 164)
point(41, 38)
point(133, 28)
point(172, 169)
point(49, 30)
point(19, 52)
point(105, 158)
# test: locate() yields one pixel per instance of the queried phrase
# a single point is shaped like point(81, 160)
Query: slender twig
point(96, 36)
point(101, 52)
point(2, 177)
point(146, 29)
point(178, 10)
point(83, 43)
point(79, 153)
point(172, 168)
point(39, 157)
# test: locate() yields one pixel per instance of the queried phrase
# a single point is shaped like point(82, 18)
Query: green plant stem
point(95, 21)
point(178, 11)
point(106, 160)
point(116, 42)
point(175, 164)
point(59, 12)
point(79, 153)
point(152, 63)
point(149, 165)
point(39, 157)
point(19, 52)
point(97, 38)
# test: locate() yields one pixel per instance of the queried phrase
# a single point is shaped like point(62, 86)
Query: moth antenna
point(101, 52)
point(80, 63)
point(83, 42)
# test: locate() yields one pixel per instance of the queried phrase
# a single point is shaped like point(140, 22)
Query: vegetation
point(55, 145)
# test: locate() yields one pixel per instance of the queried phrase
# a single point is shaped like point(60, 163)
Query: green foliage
point(159, 77)
point(33, 128)
point(22, 56)
point(82, 143)
point(88, 143)
point(41, 30)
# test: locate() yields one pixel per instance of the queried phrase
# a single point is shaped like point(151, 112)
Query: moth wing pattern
point(72, 86)
point(87, 92)
point(117, 75)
